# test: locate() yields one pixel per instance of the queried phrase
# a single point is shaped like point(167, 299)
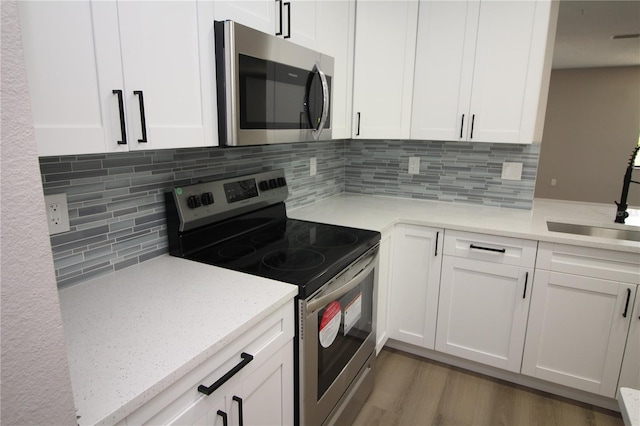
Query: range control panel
point(207, 202)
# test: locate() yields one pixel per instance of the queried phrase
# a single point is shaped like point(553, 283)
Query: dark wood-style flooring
point(413, 391)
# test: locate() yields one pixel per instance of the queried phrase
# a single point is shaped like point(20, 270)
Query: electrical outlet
point(554, 182)
point(414, 165)
point(511, 171)
point(313, 166)
point(57, 213)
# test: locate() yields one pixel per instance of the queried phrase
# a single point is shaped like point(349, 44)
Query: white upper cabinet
point(82, 57)
point(257, 14)
point(482, 70)
point(384, 63)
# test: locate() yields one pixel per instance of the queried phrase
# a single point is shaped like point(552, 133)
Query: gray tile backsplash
point(116, 201)
point(449, 171)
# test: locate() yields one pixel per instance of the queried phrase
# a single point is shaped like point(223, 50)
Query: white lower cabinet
point(484, 299)
point(415, 277)
point(630, 372)
point(258, 391)
point(579, 320)
point(384, 270)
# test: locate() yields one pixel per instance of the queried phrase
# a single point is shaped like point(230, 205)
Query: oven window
point(343, 326)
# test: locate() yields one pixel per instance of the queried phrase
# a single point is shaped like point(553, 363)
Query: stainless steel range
point(241, 224)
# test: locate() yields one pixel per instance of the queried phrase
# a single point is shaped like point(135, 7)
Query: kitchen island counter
point(133, 333)
point(381, 213)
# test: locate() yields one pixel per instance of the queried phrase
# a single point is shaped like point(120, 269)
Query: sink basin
point(594, 231)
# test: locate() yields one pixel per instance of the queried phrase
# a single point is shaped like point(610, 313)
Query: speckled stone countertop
point(629, 400)
point(381, 213)
point(133, 333)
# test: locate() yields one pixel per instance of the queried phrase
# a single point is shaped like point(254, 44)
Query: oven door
point(337, 340)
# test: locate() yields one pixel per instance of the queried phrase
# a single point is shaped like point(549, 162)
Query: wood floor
point(413, 391)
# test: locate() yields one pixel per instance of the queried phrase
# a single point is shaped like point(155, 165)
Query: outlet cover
point(511, 171)
point(57, 213)
point(414, 165)
point(313, 166)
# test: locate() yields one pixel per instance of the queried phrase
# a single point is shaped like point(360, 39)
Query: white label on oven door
point(352, 313)
point(330, 324)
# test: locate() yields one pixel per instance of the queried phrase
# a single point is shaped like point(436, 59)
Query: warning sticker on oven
point(330, 324)
point(352, 313)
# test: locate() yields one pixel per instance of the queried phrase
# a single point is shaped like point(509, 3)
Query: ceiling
point(585, 30)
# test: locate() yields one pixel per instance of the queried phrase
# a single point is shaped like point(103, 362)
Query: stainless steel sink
point(594, 231)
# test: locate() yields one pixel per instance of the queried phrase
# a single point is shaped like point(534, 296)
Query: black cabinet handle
point(473, 121)
point(143, 120)
point(473, 246)
point(626, 305)
point(358, 129)
point(222, 414)
point(240, 415)
point(123, 129)
point(288, 6)
point(280, 30)
point(246, 359)
point(461, 126)
point(526, 279)
point(436, 253)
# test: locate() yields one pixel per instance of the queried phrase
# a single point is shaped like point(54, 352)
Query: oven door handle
point(323, 299)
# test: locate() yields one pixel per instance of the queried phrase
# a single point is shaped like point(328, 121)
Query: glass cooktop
point(307, 254)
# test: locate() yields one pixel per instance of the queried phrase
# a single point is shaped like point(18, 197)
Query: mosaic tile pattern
point(449, 171)
point(116, 201)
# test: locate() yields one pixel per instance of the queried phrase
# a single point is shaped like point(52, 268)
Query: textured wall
point(36, 386)
point(116, 201)
point(449, 171)
point(591, 127)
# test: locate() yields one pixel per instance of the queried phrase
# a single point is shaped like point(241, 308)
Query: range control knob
point(272, 184)
point(263, 185)
point(193, 201)
point(206, 198)
point(281, 182)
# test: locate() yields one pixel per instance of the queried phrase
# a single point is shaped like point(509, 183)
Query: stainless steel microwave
point(269, 90)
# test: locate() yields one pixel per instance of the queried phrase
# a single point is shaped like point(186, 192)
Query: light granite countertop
point(629, 400)
point(381, 213)
point(133, 333)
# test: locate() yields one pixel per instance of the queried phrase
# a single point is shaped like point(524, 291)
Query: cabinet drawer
point(589, 262)
point(262, 341)
point(490, 248)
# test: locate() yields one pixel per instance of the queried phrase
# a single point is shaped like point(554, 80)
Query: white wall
point(36, 386)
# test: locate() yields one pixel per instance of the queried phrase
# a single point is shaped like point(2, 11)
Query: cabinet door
point(161, 46)
point(267, 393)
point(504, 68)
point(630, 373)
point(445, 52)
point(384, 63)
point(257, 14)
point(72, 70)
point(382, 312)
point(335, 36)
point(577, 332)
point(207, 410)
point(417, 257)
point(482, 312)
point(299, 22)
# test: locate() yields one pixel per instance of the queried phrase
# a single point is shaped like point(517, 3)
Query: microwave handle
point(325, 102)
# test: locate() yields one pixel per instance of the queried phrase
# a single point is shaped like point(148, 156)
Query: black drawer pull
point(240, 416)
point(143, 119)
point(472, 246)
point(358, 130)
point(288, 6)
point(461, 126)
point(222, 414)
point(246, 359)
point(123, 127)
point(436, 253)
point(626, 305)
point(473, 122)
point(279, 32)
point(526, 279)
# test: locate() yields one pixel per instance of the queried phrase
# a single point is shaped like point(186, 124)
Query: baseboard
point(519, 379)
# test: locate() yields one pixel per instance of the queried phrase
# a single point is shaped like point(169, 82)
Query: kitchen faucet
point(622, 213)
